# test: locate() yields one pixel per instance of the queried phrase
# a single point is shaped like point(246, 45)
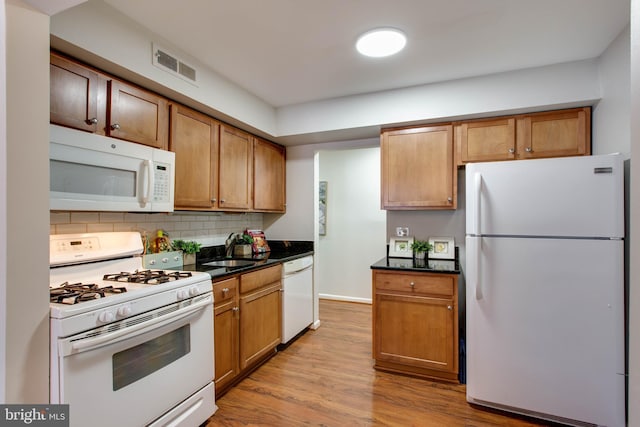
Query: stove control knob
point(182, 294)
point(124, 311)
point(106, 317)
point(193, 291)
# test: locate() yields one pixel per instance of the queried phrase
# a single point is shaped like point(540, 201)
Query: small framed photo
point(443, 248)
point(400, 247)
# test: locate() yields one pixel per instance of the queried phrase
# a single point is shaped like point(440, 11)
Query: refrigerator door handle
point(476, 268)
point(477, 181)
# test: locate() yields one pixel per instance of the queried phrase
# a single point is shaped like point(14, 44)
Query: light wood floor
point(325, 378)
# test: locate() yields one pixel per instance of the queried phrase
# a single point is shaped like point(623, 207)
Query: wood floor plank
point(326, 378)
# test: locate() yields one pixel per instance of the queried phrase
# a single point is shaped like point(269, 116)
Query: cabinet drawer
point(225, 290)
point(257, 279)
point(415, 283)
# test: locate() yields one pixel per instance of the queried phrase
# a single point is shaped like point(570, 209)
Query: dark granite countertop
point(281, 251)
point(423, 266)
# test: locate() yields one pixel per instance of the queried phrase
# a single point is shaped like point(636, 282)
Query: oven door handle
point(87, 344)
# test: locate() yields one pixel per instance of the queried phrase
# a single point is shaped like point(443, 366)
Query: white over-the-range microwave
point(90, 172)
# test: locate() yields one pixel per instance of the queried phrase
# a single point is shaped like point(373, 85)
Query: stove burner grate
point(73, 293)
point(149, 277)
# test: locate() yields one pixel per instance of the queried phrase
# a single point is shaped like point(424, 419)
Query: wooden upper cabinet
point(554, 134)
point(418, 170)
point(484, 140)
point(268, 176)
point(73, 95)
point(235, 169)
point(137, 115)
point(194, 139)
point(526, 136)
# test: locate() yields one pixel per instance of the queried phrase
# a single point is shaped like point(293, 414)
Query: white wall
point(3, 208)
point(118, 44)
point(634, 297)
point(355, 225)
point(27, 258)
point(611, 116)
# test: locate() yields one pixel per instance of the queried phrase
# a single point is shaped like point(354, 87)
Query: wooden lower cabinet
point(247, 323)
point(415, 323)
point(225, 332)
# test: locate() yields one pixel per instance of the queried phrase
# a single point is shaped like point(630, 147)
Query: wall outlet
point(402, 231)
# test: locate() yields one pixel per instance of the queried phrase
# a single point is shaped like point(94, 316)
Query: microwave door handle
point(149, 167)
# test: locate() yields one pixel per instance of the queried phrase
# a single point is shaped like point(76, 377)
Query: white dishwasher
point(297, 302)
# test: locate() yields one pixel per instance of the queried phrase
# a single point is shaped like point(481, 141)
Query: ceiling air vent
point(172, 64)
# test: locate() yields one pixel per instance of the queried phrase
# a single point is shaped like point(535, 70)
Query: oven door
point(141, 368)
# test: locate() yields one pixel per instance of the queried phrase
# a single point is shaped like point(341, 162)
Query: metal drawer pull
point(412, 284)
point(449, 307)
point(91, 121)
point(225, 290)
point(115, 126)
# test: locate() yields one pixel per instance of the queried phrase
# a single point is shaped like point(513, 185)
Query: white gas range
point(138, 341)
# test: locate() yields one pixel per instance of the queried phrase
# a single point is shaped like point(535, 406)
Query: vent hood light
point(381, 42)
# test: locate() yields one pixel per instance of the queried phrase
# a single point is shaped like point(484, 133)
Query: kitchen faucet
point(229, 244)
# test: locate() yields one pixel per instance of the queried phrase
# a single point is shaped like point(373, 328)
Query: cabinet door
point(73, 95)
point(415, 331)
point(137, 115)
point(418, 170)
point(260, 323)
point(486, 140)
point(235, 185)
point(194, 139)
point(554, 134)
point(226, 364)
point(268, 176)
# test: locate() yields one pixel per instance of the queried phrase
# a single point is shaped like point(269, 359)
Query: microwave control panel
point(161, 178)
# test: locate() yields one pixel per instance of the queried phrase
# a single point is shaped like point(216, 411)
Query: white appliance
point(129, 347)
point(545, 288)
point(91, 172)
point(297, 301)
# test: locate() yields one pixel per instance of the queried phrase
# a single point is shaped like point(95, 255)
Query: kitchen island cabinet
point(557, 133)
point(415, 323)
point(418, 170)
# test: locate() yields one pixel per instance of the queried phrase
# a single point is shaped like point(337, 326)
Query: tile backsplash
point(208, 228)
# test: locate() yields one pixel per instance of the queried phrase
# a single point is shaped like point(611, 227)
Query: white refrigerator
point(545, 288)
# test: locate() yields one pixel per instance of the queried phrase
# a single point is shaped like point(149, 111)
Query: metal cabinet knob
point(235, 309)
point(449, 307)
point(115, 126)
point(92, 121)
point(412, 284)
point(528, 150)
point(221, 200)
point(449, 199)
point(214, 200)
point(511, 151)
point(225, 290)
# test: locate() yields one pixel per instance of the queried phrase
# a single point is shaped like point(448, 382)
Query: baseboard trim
point(345, 298)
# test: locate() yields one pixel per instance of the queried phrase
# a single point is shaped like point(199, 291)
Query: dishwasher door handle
point(293, 273)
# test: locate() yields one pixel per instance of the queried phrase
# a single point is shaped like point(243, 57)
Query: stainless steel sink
point(230, 263)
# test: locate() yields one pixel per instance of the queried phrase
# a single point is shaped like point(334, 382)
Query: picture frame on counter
point(443, 248)
point(400, 247)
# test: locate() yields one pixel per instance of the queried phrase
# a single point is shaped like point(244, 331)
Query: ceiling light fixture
point(381, 42)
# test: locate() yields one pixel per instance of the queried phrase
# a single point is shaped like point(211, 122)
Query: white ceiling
point(295, 51)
